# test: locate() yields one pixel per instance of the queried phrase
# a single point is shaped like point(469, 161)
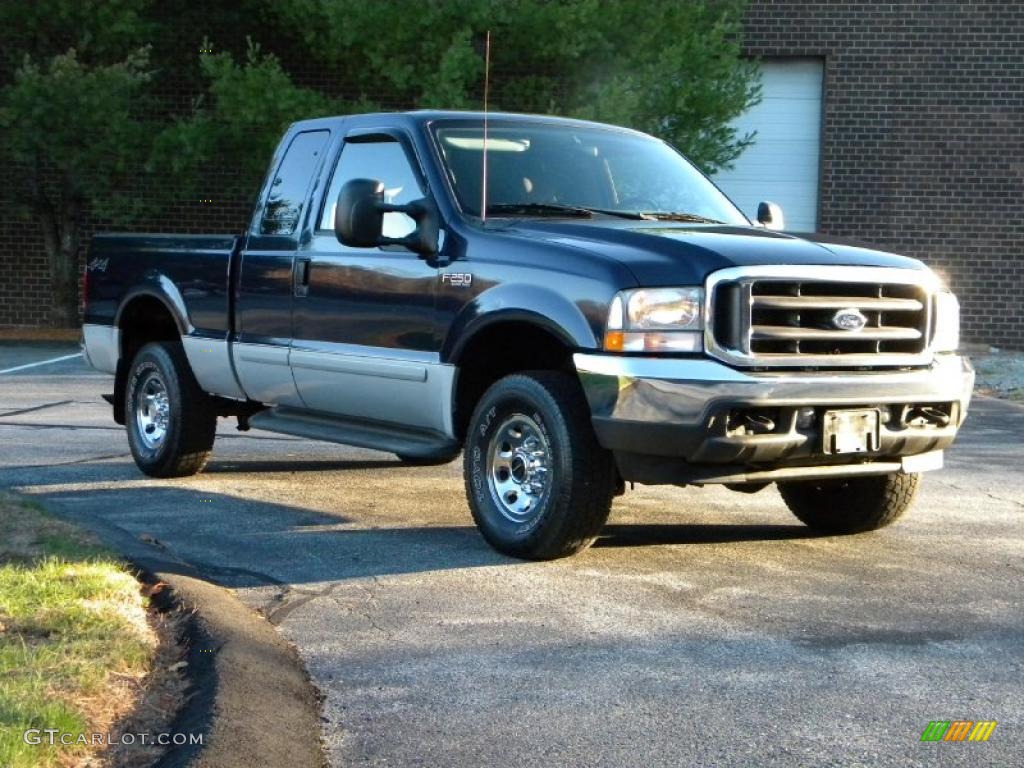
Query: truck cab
point(572, 306)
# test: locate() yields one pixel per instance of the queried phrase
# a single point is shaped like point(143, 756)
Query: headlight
point(947, 323)
point(656, 320)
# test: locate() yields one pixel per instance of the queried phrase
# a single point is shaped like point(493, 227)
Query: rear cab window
point(290, 186)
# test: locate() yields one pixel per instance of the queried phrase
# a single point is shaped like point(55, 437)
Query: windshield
point(536, 169)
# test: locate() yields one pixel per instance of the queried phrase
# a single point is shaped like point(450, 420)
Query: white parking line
point(41, 362)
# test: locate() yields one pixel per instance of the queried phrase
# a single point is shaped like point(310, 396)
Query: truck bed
point(192, 271)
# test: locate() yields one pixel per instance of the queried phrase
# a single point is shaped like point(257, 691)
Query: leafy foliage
point(669, 67)
point(89, 126)
point(98, 30)
point(238, 126)
point(685, 83)
point(75, 77)
point(70, 136)
point(79, 122)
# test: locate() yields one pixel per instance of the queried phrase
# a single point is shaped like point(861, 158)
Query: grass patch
point(73, 629)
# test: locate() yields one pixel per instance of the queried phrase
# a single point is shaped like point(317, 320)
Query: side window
point(383, 160)
point(291, 183)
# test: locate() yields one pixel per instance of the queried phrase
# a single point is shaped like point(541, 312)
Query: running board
point(417, 444)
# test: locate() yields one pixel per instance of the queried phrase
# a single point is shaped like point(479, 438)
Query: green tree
point(84, 135)
point(672, 68)
point(676, 71)
point(75, 71)
point(90, 128)
point(101, 31)
point(70, 133)
point(236, 124)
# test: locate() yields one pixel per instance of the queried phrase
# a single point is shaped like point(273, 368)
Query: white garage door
point(782, 164)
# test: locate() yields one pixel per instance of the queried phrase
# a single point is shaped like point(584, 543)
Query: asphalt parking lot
point(706, 627)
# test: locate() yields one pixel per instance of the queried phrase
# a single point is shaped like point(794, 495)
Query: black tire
point(853, 504)
point(578, 480)
point(179, 443)
point(420, 461)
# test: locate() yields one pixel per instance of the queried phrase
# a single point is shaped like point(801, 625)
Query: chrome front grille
point(816, 317)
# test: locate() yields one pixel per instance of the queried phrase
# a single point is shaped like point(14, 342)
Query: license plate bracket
point(851, 431)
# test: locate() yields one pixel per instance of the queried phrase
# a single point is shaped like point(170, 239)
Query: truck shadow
point(644, 535)
point(240, 542)
point(222, 466)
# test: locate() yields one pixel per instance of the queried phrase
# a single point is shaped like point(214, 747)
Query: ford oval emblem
point(850, 319)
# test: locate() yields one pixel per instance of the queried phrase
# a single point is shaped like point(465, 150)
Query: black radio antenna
point(483, 171)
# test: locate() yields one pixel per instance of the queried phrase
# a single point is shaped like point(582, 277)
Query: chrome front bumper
point(681, 410)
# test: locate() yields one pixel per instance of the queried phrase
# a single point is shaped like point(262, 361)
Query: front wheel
point(539, 485)
point(852, 504)
point(171, 422)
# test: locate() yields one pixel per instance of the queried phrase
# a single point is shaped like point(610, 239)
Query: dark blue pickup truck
point(573, 306)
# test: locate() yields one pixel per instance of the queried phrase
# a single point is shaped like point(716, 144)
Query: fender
point(208, 356)
point(154, 286)
point(159, 286)
point(519, 302)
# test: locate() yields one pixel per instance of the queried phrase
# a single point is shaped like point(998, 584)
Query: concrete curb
point(250, 695)
point(252, 699)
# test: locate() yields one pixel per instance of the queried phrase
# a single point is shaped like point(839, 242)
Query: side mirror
point(359, 218)
point(769, 216)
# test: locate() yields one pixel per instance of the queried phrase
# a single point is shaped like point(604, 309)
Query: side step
point(418, 444)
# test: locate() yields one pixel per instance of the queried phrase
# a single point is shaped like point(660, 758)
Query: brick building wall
point(922, 136)
point(922, 149)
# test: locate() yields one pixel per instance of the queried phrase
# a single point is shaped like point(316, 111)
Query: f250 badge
point(457, 279)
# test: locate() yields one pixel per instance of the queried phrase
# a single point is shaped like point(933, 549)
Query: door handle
point(301, 276)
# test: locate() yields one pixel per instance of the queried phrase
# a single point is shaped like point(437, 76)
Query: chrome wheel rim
point(152, 410)
point(519, 468)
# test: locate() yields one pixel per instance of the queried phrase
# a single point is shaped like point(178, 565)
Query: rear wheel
point(853, 504)
point(171, 422)
point(539, 485)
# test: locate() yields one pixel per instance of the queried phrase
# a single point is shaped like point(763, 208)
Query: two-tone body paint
point(374, 322)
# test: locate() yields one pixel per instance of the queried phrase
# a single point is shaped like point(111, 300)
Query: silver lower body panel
point(101, 345)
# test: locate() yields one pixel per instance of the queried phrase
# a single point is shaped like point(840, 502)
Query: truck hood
point(669, 253)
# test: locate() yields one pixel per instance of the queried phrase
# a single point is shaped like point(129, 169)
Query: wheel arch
point(484, 357)
point(515, 302)
point(145, 315)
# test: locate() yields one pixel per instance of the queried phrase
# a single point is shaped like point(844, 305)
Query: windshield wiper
point(621, 214)
point(539, 209)
point(679, 216)
point(554, 209)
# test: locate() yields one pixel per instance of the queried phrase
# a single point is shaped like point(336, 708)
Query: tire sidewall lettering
point(138, 372)
point(478, 460)
point(485, 425)
point(479, 480)
point(542, 423)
